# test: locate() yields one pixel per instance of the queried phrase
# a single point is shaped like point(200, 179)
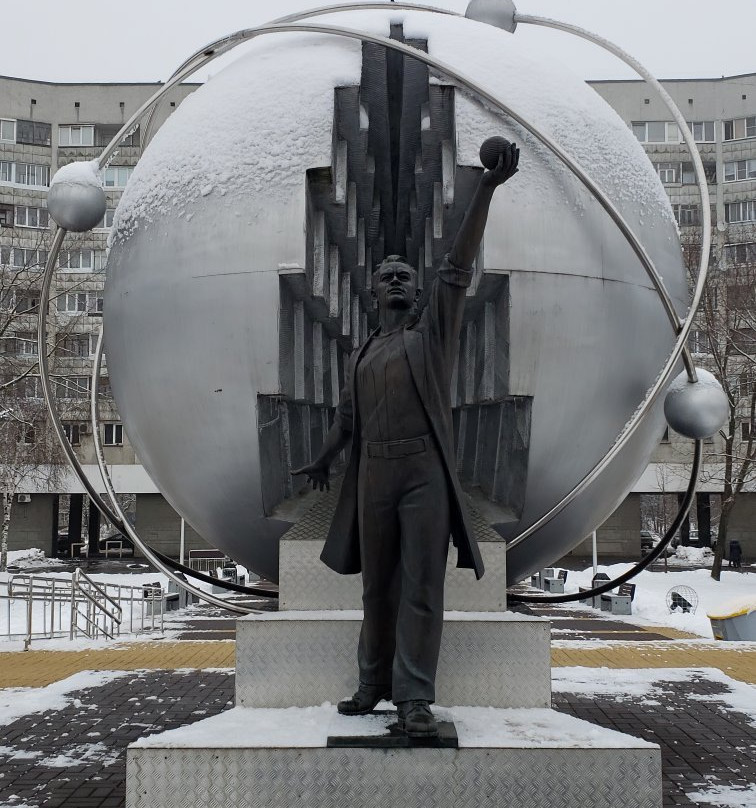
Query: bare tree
point(30, 454)
point(726, 336)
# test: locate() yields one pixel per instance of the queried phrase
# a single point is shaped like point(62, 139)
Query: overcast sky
point(145, 40)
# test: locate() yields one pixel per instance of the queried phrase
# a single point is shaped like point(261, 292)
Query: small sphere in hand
point(492, 149)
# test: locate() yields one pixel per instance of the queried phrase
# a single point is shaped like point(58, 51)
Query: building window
point(740, 211)
point(744, 339)
point(107, 219)
point(26, 344)
point(31, 217)
point(105, 132)
point(669, 173)
point(6, 215)
point(76, 135)
point(687, 215)
point(744, 253)
point(76, 345)
point(739, 170)
point(33, 133)
point(117, 176)
point(746, 384)
point(22, 257)
point(82, 260)
point(656, 131)
point(113, 435)
point(72, 433)
point(703, 131)
point(28, 434)
point(739, 128)
point(698, 342)
point(18, 302)
point(72, 386)
point(30, 387)
point(80, 303)
point(739, 297)
point(32, 174)
point(7, 131)
point(745, 431)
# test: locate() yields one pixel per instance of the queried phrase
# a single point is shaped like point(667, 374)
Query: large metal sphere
point(696, 409)
point(76, 199)
point(215, 215)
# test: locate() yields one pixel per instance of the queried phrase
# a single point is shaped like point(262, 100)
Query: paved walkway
point(74, 755)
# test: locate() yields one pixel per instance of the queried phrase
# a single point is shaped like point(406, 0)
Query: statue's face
point(395, 285)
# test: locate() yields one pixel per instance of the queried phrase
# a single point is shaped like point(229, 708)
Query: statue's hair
point(394, 259)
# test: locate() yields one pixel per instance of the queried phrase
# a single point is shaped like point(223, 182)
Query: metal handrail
point(96, 604)
point(106, 611)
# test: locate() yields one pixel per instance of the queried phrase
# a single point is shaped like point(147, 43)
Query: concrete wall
point(32, 523)
point(619, 536)
point(160, 526)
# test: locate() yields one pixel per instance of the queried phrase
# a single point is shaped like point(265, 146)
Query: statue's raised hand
point(317, 473)
point(505, 167)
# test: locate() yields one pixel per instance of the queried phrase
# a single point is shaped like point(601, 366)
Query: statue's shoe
point(364, 700)
point(416, 719)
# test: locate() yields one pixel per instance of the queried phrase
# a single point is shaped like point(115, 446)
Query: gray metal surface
point(307, 658)
point(360, 778)
point(696, 410)
point(306, 583)
point(234, 511)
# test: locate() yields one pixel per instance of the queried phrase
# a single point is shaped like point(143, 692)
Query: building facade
point(44, 126)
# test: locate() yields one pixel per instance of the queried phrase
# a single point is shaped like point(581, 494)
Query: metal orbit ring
point(285, 25)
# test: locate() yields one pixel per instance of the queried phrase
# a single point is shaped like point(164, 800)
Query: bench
point(619, 602)
point(595, 600)
point(81, 548)
point(555, 584)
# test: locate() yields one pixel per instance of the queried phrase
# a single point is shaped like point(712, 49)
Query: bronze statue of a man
point(401, 498)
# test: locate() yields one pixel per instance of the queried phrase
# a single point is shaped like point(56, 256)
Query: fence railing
point(46, 607)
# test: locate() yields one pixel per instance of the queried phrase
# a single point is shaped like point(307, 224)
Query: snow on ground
point(29, 559)
point(650, 605)
point(16, 702)
point(643, 685)
point(724, 796)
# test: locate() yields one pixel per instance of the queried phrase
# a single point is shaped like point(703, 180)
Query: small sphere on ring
point(76, 200)
point(696, 410)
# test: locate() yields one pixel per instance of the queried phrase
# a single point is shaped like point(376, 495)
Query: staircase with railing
point(49, 607)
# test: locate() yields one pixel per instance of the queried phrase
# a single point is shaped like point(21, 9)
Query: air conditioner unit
point(83, 429)
point(24, 498)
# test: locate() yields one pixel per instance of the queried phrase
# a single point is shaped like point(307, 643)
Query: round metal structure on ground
point(683, 599)
point(680, 326)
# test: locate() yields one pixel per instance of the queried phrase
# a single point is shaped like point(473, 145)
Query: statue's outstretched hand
point(505, 168)
point(317, 473)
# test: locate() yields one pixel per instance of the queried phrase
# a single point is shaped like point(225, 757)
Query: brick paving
point(75, 756)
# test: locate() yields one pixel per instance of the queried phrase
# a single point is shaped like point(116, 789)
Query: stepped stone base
point(306, 658)
point(306, 583)
point(279, 759)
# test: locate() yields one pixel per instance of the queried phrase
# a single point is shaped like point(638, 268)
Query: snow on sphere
point(76, 199)
point(696, 410)
point(214, 224)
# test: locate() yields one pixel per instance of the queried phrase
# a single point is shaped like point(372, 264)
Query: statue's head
point(395, 283)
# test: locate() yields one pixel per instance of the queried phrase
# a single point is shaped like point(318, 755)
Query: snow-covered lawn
point(650, 602)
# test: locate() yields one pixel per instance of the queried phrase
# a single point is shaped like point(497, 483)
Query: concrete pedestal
point(488, 659)
point(279, 759)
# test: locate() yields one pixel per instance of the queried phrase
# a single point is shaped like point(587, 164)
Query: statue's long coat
point(431, 343)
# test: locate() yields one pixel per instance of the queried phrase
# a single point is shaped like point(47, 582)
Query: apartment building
point(44, 126)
